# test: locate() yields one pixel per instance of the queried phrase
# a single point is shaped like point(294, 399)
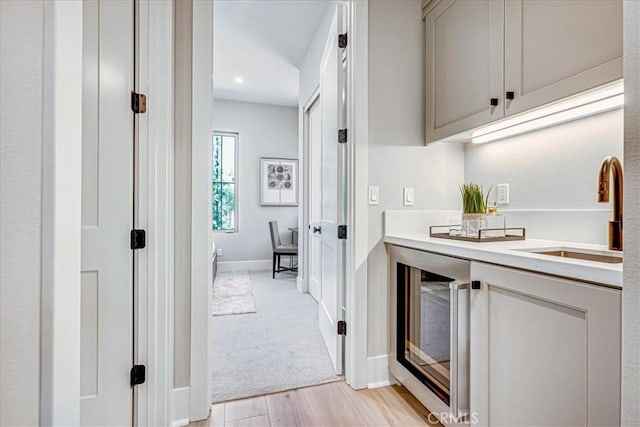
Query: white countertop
point(512, 254)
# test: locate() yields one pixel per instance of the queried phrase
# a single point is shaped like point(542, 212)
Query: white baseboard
point(253, 265)
point(180, 406)
point(301, 285)
point(378, 371)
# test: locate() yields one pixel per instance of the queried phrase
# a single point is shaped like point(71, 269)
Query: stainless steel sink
point(607, 257)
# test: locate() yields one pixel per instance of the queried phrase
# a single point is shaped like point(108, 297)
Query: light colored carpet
point(232, 294)
point(278, 348)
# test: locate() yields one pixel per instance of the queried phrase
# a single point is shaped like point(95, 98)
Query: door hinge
point(138, 102)
point(342, 136)
point(137, 375)
point(138, 239)
point(475, 284)
point(342, 327)
point(342, 232)
point(342, 40)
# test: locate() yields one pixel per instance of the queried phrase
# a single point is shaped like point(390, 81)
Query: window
point(225, 191)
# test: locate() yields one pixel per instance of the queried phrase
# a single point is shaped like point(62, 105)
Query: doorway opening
point(278, 196)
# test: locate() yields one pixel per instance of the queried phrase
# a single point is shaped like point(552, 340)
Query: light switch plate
point(502, 194)
point(408, 196)
point(374, 195)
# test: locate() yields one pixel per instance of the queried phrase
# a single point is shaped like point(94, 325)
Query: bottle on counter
point(496, 223)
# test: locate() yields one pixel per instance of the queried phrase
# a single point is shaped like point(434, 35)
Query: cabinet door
point(544, 351)
point(464, 66)
point(558, 48)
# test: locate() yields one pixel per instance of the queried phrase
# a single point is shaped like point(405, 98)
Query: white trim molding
point(180, 406)
point(357, 181)
point(631, 291)
point(61, 214)
point(303, 183)
point(301, 286)
point(201, 240)
point(378, 371)
point(153, 273)
point(251, 265)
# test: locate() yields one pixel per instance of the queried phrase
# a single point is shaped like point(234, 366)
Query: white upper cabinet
point(463, 65)
point(516, 54)
point(557, 48)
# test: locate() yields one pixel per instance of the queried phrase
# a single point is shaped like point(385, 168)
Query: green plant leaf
point(473, 198)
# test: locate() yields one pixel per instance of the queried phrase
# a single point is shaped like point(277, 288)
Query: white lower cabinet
point(544, 351)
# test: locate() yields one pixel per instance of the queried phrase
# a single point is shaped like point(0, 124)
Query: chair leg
point(274, 267)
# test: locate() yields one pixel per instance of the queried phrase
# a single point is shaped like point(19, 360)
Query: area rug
point(278, 348)
point(232, 294)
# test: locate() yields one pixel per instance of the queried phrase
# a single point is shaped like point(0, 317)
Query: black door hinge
point(138, 239)
point(137, 375)
point(342, 232)
point(475, 284)
point(342, 136)
point(138, 103)
point(342, 40)
point(342, 327)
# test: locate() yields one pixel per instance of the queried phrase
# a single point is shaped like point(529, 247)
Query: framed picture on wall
point(278, 182)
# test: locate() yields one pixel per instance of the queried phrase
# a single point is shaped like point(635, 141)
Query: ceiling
point(262, 42)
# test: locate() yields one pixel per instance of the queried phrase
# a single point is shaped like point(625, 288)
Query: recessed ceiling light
point(238, 80)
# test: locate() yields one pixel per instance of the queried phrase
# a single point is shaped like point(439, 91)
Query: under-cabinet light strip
point(603, 99)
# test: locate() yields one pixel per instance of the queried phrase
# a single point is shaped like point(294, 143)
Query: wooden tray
point(511, 234)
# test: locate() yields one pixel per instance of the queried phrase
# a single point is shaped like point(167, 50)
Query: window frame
point(236, 163)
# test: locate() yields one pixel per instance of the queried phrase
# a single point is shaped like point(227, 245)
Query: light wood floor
point(333, 404)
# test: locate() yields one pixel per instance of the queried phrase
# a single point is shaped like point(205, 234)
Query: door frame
point(355, 348)
point(157, 401)
point(303, 214)
point(201, 372)
point(153, 207)
point(355, 268)
point(61, 214)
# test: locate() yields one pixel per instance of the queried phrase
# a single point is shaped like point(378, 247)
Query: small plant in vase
point(474, 209)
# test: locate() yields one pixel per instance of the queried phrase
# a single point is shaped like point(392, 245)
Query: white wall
point(631, 291)
point(397, 155)
point(21, 95)
point(550, 170)
point(263, 131)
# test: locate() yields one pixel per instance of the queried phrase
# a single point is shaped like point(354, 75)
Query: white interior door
point(314, 132)
point(107, 212)
point(331, 306)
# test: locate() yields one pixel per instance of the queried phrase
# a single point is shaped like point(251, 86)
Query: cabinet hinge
point(138, 103)
point(138, 239)
point(342, 40)
point(475, 284)
point(342, 232)
point(342, 327)
point(342, 136)
point(137, 375)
